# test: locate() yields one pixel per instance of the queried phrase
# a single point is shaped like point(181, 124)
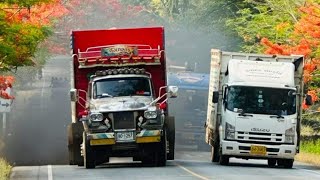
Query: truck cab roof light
point(143, 71)
point(99, 73)
point(121, 71)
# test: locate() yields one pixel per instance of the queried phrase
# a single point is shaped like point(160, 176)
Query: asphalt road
point(37, 123)
point(36, 144)
point(188, 165)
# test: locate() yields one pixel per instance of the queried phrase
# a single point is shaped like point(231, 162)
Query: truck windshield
point(128, 86)
point(261, 100)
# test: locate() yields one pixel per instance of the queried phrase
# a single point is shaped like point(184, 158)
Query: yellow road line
point(191, 172)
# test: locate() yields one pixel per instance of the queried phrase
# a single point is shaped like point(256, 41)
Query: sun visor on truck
point(260, 72)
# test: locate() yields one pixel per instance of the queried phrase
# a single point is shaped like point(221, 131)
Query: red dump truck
point(118, 97)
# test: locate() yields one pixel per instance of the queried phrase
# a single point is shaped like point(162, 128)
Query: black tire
point(74, 132)
point(71, 147)
point(156, 153)
point(288, 163)
point(88, 153)
point(148, 161)
point(215, 152)
point(148, 158)
point(171, 136)
point(161, 154)
point(272, 162)
point(223, 159)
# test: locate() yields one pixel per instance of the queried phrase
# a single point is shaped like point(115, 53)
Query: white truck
point(254, 107)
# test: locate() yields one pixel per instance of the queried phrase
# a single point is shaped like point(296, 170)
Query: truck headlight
point(96, 117)
point(150, 114)
point(289, 135)
point(229, 131)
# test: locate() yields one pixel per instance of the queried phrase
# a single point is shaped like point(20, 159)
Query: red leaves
point(273, 48)
point(6, 82)
point(304, 40)
point(40, 14)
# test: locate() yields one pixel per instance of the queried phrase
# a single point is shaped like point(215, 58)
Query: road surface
point(36, 144)
point(188, 165)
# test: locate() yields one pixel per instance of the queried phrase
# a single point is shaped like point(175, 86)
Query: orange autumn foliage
point(41, 14)
point(304, 40)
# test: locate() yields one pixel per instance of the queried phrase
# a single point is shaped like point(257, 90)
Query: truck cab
point(254, 107)
point(112, 95)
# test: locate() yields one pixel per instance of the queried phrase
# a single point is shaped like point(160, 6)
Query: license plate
point(258, 150)
point(125, 136)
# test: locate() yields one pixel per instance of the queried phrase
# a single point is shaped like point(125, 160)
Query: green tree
point(24, 24)
point(273, 19)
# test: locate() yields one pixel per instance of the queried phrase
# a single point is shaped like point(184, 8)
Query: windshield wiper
point(244, 114)
point(277, 116)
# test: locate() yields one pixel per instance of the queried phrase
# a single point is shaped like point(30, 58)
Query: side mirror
point(215, 96)
point(74, 95)
point(173, 91)
point(308, 100)
point(292, 93)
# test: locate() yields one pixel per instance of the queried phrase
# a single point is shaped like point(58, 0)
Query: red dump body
point(87, 48)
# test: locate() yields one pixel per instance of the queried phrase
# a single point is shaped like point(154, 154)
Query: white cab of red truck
point(254, 107)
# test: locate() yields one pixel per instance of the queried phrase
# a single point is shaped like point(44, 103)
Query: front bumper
point(237, 149)
point(145, 136)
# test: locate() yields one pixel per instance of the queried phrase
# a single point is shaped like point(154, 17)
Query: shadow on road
point(36, 132)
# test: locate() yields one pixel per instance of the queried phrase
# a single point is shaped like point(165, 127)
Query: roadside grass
point(311, 147)
point(309, 152)
point(5, 169)
point(309, 158)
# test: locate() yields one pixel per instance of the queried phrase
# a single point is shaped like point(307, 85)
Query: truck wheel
point(74, 131)
point(88, 153)
point(161, 155)
point(272, 162)
point(215, 153)
point(288, 163)
point(223, 159)
point(171, 136)
point(148, 158)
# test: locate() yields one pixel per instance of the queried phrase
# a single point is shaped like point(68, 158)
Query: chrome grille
point(123, 120)
point(259, 137)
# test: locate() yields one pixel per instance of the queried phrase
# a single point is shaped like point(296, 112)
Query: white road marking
point(50, 177)
point(191, 172)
